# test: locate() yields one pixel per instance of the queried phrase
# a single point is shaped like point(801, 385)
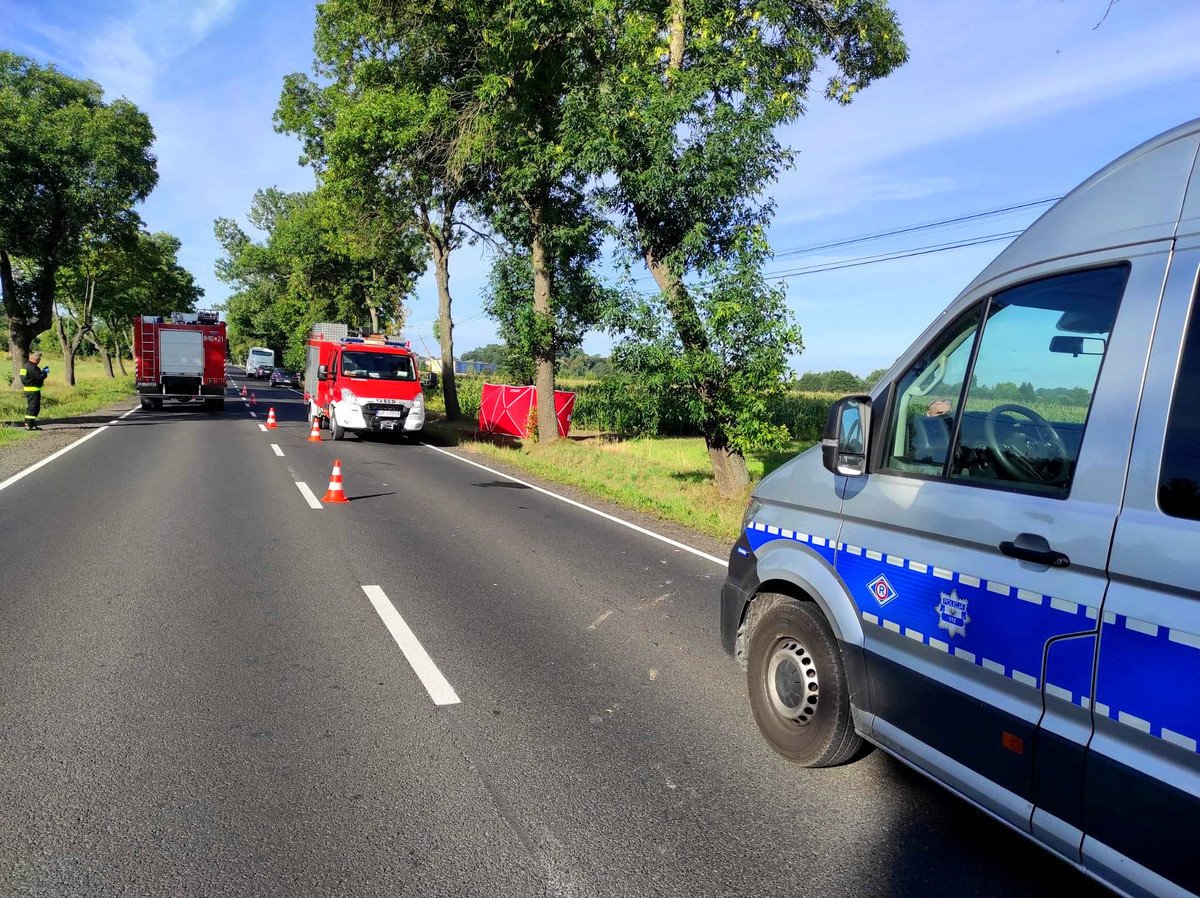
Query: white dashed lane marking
point(309, 497)
point(436, 685)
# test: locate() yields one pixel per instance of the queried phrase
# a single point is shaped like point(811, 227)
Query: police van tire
point(798, 688)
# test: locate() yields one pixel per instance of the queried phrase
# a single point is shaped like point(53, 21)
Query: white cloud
point(130, 51)
point(978, 69)
point(208, 14)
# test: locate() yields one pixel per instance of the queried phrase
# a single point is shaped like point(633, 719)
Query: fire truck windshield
point(378, 366)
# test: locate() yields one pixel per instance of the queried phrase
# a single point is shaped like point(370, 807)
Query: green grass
point(666, 476)
point(93, 390)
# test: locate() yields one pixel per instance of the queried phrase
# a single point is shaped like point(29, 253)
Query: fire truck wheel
point(147, 404)
point(336, 431)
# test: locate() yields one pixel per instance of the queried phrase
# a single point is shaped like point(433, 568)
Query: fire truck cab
point(362, 383)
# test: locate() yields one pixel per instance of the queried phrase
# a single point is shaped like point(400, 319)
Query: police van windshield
point(377, 366)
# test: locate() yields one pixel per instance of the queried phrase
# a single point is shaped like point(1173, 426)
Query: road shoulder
point(670, 529)
point(53, 437)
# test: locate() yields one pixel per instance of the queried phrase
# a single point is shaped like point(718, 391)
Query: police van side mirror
point(844, 442)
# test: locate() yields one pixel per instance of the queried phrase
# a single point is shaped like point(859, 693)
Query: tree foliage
point(387, 119)
point(322, 259)
point(685, 122)
point(72, 167)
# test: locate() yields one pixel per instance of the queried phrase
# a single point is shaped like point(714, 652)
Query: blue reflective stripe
point(758, 534)
point(1005, 629)
point(1141, 666)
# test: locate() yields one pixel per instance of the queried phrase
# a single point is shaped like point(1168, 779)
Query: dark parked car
point(263, 371)
point(281, 377)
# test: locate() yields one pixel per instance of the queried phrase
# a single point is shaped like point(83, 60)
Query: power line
point(891, 257)
point(925, 226)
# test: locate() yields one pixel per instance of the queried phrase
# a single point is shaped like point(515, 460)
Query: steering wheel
point(1015, 463)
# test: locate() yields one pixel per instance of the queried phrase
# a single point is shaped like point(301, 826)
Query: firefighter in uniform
point(32, 378)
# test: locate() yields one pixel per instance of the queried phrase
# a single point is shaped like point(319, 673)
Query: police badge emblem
point(952, 614)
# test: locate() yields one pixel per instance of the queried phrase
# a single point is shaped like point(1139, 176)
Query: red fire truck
point(180, 356)
point(362, 383)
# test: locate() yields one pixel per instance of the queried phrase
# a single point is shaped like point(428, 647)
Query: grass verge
point(666, 476)
point(93, 390)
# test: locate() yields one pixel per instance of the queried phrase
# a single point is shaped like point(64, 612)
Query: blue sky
point(1003, 102)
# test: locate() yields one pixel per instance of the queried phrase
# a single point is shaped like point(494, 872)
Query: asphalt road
point(197, 696)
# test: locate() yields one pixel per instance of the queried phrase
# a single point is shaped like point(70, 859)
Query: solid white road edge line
point(608, 517)
point(275, 448)
point(309, 497)
point(124, 416)
point(63, 451)
point(436, 685)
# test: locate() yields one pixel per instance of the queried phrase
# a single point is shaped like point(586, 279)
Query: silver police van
point(990, 567)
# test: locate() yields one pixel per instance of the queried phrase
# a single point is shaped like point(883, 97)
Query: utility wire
point(910, 229)
point(890, 257)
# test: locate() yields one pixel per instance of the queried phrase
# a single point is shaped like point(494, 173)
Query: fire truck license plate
point(389, 413)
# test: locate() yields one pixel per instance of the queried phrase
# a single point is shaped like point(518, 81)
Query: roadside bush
point(629, 408)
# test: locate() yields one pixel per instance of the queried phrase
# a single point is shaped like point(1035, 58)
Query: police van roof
point(1141, 197)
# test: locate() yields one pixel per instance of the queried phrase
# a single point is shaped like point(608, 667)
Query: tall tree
point(387, 119)
point(685, 121)
point(320, 261)
point(540, 330)
point(70, 165)
point(146, 279)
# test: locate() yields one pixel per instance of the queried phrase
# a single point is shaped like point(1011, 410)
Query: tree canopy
point(322, 259)
point(72, 168)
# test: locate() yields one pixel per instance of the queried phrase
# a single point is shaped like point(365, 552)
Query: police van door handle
point(1034, 548)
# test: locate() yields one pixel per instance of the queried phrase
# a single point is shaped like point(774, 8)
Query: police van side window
point(927, 396)
point(1179, 476)
point(1033, 379)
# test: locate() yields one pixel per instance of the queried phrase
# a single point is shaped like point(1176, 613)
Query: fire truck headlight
point(419, 403)
point(348, 396)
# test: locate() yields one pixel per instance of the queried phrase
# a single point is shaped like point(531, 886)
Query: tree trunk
point(19, 349)
point(18, 340)
point(24, 326)
point(729, 469)
point(374, 313)
point(676, 41)
point(68, 350)
point(441, 270)
point(547, 420)
point(105, 355)
point(729, 465)
point(119, 339)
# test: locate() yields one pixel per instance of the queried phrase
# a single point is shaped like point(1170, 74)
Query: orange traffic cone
point(314, 435)
point(271, 419)
point(334, 493)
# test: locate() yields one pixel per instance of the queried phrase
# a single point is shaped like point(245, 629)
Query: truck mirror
point(322, 373)
point(844, 441)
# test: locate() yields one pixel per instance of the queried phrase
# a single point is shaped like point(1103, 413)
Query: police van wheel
point(798, 688)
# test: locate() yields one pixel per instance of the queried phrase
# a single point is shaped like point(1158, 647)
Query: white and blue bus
point(259, 355)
